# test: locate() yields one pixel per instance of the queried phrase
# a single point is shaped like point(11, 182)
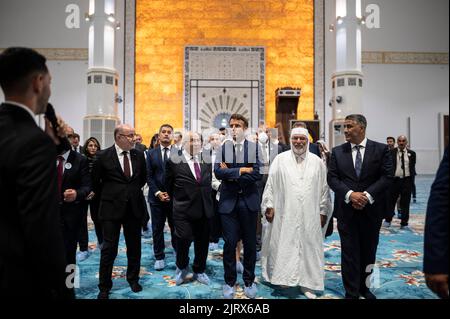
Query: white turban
point(299, 131)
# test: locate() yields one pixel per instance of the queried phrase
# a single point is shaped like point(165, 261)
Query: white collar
point(65, 155)
point(363, 143)
point(22, 106)
point(119, 150)
point(163, 147)
point(188, 156)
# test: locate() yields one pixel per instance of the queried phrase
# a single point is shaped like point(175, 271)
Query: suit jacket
point(32, 255)
point(156, 172)
point(117, 191)
point(78, 178)
point(436, 225)
point(189, 197)
point(274, 150)
point(375, 178)
point(235, 185)
point(412, 161)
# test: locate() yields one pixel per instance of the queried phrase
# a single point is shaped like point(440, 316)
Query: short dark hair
point(76, 135)
point(238, 117)
point(16, 64)
point(165, 125)
point(358, 118)
point(390, 138)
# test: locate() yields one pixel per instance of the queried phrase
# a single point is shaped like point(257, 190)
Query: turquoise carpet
point(399, 261)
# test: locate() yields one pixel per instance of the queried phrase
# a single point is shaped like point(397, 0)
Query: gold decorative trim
point(386, 57)
point(63, 54)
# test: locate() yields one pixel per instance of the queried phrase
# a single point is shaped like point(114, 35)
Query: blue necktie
point(358, 161)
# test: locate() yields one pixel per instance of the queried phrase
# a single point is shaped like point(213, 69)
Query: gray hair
point(358, 118)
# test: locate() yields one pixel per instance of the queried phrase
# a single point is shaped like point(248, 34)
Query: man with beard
point(297, 204)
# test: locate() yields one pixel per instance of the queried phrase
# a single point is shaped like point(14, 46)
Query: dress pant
point(239, 224)
point(400, 187)
point(413, 187)
point(111, 235)
point(71, 218)
point(215, 225)
point(83, 237)
point(359, 240)
point(160, 212)
point(188, 231)
point(261, 185)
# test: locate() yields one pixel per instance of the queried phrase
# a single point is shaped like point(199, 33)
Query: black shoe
point(135, 287)
point(103, 295)
point(368, 295)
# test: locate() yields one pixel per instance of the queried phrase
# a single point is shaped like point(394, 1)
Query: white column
point(348, 79)
point(102, 77)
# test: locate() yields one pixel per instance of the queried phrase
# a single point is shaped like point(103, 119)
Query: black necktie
point(126, 165)
point(165, 155)
point(402, 158)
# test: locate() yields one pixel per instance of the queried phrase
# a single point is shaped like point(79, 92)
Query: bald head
point(124, 136)
point(402, 141)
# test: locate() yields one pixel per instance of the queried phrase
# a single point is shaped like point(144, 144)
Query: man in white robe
point(297, 204)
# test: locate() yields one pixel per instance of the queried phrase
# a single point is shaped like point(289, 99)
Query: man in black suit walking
point(120, 173)
point(74, 184)
point(435, 260)
point(404, 163)
point(188, 180)
point(32, 256)
point(359, 173)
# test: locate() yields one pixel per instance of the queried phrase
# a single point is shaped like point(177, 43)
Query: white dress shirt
point(190, 162)
point(65, 156)
point(121, 158)
point(398, 169)
point(362, 150)
point(168, 151)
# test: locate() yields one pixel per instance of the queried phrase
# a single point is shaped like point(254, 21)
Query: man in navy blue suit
point(435, 263)
point(239, 204)
point(359, 173)
point(159, 199)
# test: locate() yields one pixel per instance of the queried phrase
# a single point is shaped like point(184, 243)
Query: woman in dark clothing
point(90, 149)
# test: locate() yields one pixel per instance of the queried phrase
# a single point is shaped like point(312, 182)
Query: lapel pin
point(68, 166)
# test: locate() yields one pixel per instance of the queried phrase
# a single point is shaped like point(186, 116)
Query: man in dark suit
point(120, 174)
point(239, 204)
point(74, 184)
point(159, 199)
point(435, 261)
point(32, 256)
point(188, 183)
point(359, 173)
point(269, 151)
point(404, 163)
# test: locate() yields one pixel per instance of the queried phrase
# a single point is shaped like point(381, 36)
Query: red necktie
point(126, 165)
point(60, 169)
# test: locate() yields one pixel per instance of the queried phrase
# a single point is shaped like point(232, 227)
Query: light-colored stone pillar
point(102, 77)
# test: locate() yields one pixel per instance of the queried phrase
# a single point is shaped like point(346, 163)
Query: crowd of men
point(273, 199)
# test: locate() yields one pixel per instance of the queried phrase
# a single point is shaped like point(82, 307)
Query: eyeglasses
point(132, 135)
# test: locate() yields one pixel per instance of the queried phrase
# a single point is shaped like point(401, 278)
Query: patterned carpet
point(399, 261)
